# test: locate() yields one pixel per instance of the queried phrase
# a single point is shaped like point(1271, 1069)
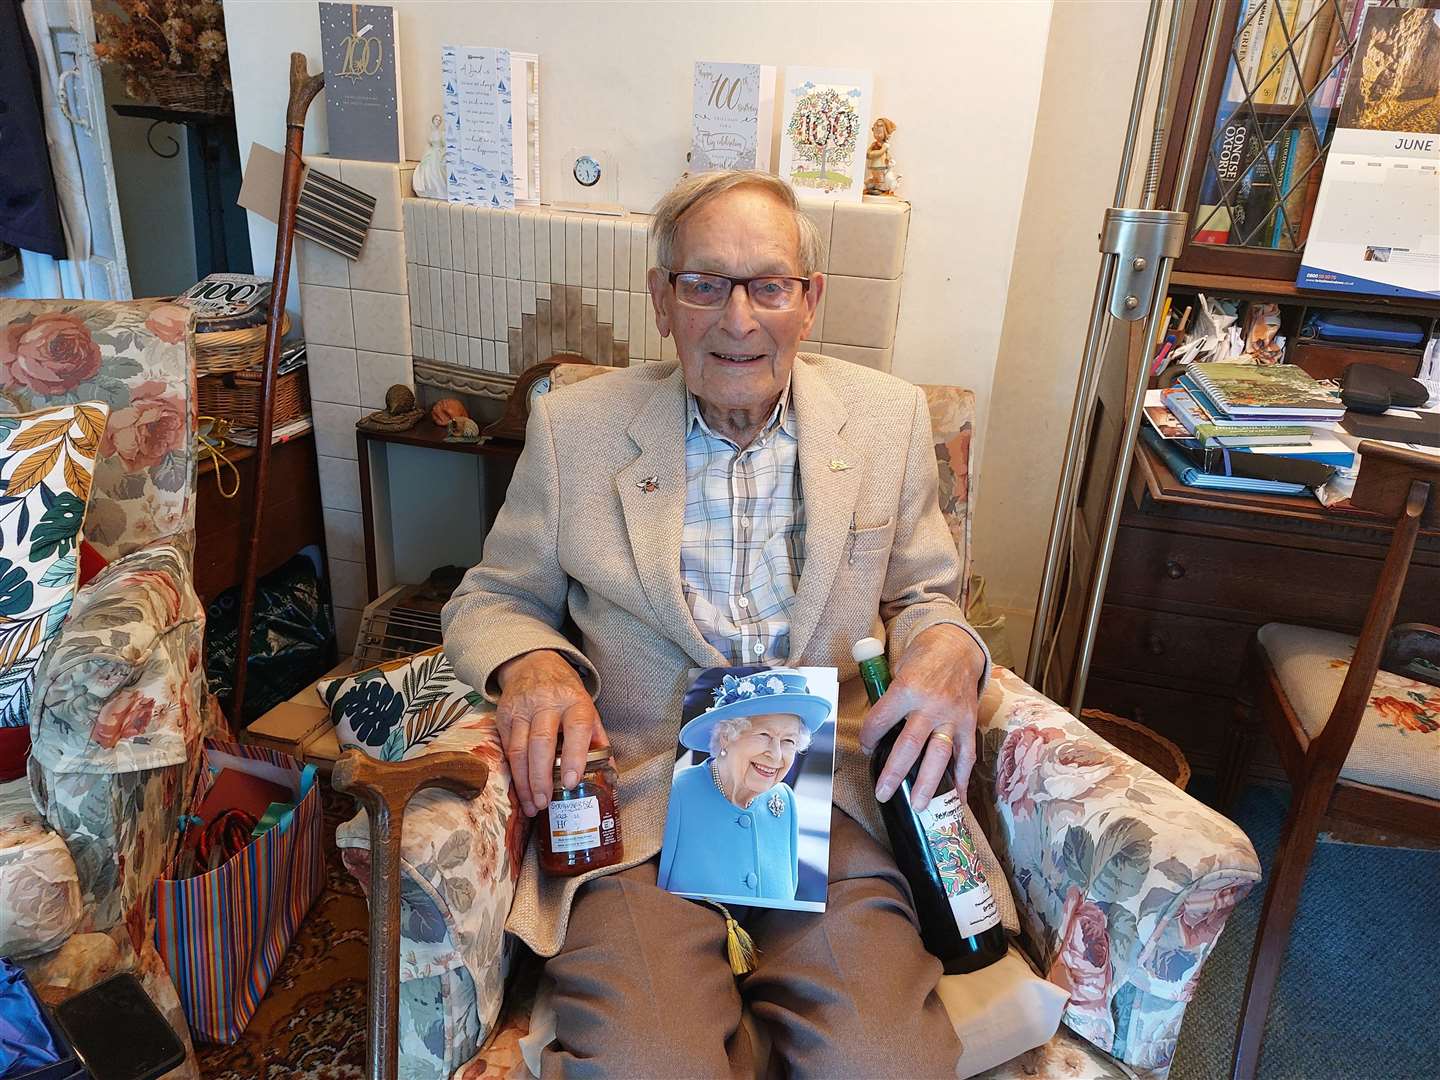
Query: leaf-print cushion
point(393, 711)
point(47, 459)
point(1398, 743)
point(138, 358)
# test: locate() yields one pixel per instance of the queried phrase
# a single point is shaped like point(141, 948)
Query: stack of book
point(1244, 427)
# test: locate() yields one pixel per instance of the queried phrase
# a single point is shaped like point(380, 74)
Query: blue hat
point(779, 690)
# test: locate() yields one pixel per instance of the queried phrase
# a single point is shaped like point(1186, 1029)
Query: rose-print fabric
point(1123, 881)
point(136, 357)
point(39, 892)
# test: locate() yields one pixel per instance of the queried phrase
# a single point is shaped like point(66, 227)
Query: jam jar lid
point(600, 755)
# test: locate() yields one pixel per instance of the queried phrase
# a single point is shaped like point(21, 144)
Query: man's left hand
point(935, 693)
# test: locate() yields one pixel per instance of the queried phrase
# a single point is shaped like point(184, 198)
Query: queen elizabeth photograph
point(749, 813)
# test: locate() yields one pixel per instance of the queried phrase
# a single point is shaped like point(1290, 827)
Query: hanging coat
point(29, 209)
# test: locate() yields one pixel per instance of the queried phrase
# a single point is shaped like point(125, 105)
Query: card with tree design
point(824, 131)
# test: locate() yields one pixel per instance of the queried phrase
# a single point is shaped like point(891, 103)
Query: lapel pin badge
point(650, 483)
point(836, 465)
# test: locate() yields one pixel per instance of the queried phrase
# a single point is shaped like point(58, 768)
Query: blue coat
point(713, 848)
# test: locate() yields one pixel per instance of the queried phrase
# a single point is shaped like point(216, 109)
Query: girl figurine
point(429, 179)
point(879, 166)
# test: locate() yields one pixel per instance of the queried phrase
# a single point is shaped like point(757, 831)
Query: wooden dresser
point(1196, 572)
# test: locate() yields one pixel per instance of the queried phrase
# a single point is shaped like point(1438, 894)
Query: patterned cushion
point(39, 891)
point(46, 462)
point(137, 357)
point(393, 711)
point(952, 424)
point(1398, 743)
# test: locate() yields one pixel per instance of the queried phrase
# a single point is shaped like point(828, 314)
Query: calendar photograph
point(1377, 220)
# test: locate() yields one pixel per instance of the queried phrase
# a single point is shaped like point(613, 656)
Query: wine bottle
point(959, 922)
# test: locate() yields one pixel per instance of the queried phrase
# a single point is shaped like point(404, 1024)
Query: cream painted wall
point(1090, 64)
point(962, 80)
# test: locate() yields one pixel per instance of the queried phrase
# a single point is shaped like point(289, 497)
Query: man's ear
point(660, 298)
point(813, 296)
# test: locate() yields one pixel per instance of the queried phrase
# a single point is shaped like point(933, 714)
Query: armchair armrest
point(116, 727)
point(1123, 881)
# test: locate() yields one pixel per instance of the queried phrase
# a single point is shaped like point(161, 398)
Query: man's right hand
point(541, 695)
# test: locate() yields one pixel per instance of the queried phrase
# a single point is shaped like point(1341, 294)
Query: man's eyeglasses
point(769, 293)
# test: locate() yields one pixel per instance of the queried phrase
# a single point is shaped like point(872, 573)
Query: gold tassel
point(212, 438)
point(739, 946)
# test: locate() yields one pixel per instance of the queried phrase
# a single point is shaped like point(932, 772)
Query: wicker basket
point(233, 350)
point(189, 93)
point(235, 396)
point(1144, 745)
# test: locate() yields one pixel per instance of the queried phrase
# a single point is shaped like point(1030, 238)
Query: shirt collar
point(781, 417)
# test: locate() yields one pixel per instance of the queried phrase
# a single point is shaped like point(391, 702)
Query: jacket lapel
point(830, 473)
point(652, 495)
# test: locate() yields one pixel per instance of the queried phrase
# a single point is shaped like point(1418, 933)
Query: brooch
point(650, 483)
point(776, 805)
point(836, 465)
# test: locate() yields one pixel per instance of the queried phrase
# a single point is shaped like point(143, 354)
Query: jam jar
point(580, 828)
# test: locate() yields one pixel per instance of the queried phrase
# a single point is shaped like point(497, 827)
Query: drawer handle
point(1174, 569)
point(1156, 644)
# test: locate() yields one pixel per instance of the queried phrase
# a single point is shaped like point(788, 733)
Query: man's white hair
point(727, 731)
point(700, 188)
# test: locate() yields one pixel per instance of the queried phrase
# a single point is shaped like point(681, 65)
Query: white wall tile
point(348, 586)
point(862, 311)
point(574, 250)
point(527, 298)
point(639, 316)
point(589, 252)
point(319, 265)
point(557, 249)
point(381, 266)
point(435, 318)
point(527, 247)
point(379, 372)
point(513, 305)
point(621, 316)
point(477, 353)
point(447, 300)
point(488, 355)
point(637, 256)
point(542, 246)
point(382, 322)
point(512, 243)
point(605, 255)
point(344, 535)
point(621, 239)
point(472, 305)
point(327, 315)
point(481, 219)
point(381, 179)
point(347, 629)
point(589, 297)
point(323, 163)
point(542, 290)
point(502, 356)
point(605, 305)
point(332, 374)
point(339, 482)
point(652, 340)
point(335, 429)
point(497, 242)
point(417, 240)
point(868, 239)
point(467, 238)
point(448, 248)
point(487, 306)
point(822, 213)
point(431, 210)
point(500, 307)
point(879, 359)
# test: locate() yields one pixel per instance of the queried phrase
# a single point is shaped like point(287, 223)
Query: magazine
point(749, 815)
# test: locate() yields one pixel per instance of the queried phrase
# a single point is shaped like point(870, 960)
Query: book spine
point(1319, 47)
point(1293, 61)
point(1272, 55)
point(1240, 59)
point(1284, 170)
point(1257, 26)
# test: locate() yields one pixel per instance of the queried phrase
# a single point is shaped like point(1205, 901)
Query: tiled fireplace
point(494, 291)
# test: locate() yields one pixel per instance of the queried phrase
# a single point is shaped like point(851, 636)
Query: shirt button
point(759, 648)
point(751, 879)
point(743, 601)
point(743, 821)
point(745, 523)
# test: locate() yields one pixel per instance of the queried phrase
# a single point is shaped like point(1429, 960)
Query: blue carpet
point(1360, 988)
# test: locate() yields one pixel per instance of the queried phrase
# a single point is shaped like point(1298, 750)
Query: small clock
point(587, 171)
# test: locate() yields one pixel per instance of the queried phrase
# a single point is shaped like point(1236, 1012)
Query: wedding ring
point(944, 736)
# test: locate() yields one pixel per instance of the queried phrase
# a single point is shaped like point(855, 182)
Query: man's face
point(736, 356)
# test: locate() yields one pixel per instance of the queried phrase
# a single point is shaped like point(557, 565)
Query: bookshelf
point(1270, 118)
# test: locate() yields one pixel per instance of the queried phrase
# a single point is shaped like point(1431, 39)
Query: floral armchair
point(119, 707)
point(1123, 882)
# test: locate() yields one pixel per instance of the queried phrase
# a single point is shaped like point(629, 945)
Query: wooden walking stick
point(303, 88)
point(385, 787)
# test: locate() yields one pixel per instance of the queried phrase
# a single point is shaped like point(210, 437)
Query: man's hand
point(541, 696)
point(934, 692)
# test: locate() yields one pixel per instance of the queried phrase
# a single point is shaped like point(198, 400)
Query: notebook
point(1254, 390)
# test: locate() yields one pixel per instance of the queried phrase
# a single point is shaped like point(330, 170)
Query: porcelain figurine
point(429, 179)
point(880, 178)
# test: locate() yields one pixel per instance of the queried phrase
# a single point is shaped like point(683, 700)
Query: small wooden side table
point(301, 727)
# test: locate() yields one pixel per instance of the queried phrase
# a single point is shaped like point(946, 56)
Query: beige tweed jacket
point(582, 534)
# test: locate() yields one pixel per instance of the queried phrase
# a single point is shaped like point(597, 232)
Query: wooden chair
point(1372, 759)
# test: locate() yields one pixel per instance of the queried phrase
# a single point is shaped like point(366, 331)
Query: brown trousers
point(643, 987)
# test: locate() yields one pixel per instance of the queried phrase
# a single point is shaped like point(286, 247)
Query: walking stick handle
point(303, 88)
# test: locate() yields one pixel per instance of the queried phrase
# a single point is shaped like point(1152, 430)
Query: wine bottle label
point(575, 824)
point(959, 864)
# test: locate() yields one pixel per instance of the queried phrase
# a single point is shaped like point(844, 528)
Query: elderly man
point(746, 505)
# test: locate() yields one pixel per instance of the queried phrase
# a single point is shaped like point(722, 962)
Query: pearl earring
point(724, 752)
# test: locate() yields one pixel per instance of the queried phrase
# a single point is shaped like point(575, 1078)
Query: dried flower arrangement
point(171, 51)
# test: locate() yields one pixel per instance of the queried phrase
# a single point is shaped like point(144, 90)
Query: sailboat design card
point(479, 139)
point(825, 132)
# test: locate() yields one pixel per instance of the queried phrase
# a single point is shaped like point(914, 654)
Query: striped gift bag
point(223, 933)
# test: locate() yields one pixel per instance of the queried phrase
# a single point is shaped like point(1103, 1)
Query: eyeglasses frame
point(735, 283)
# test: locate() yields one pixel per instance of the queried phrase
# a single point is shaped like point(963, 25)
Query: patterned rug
point(311, 1022)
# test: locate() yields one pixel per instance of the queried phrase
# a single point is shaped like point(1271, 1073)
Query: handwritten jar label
point(575, 824)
